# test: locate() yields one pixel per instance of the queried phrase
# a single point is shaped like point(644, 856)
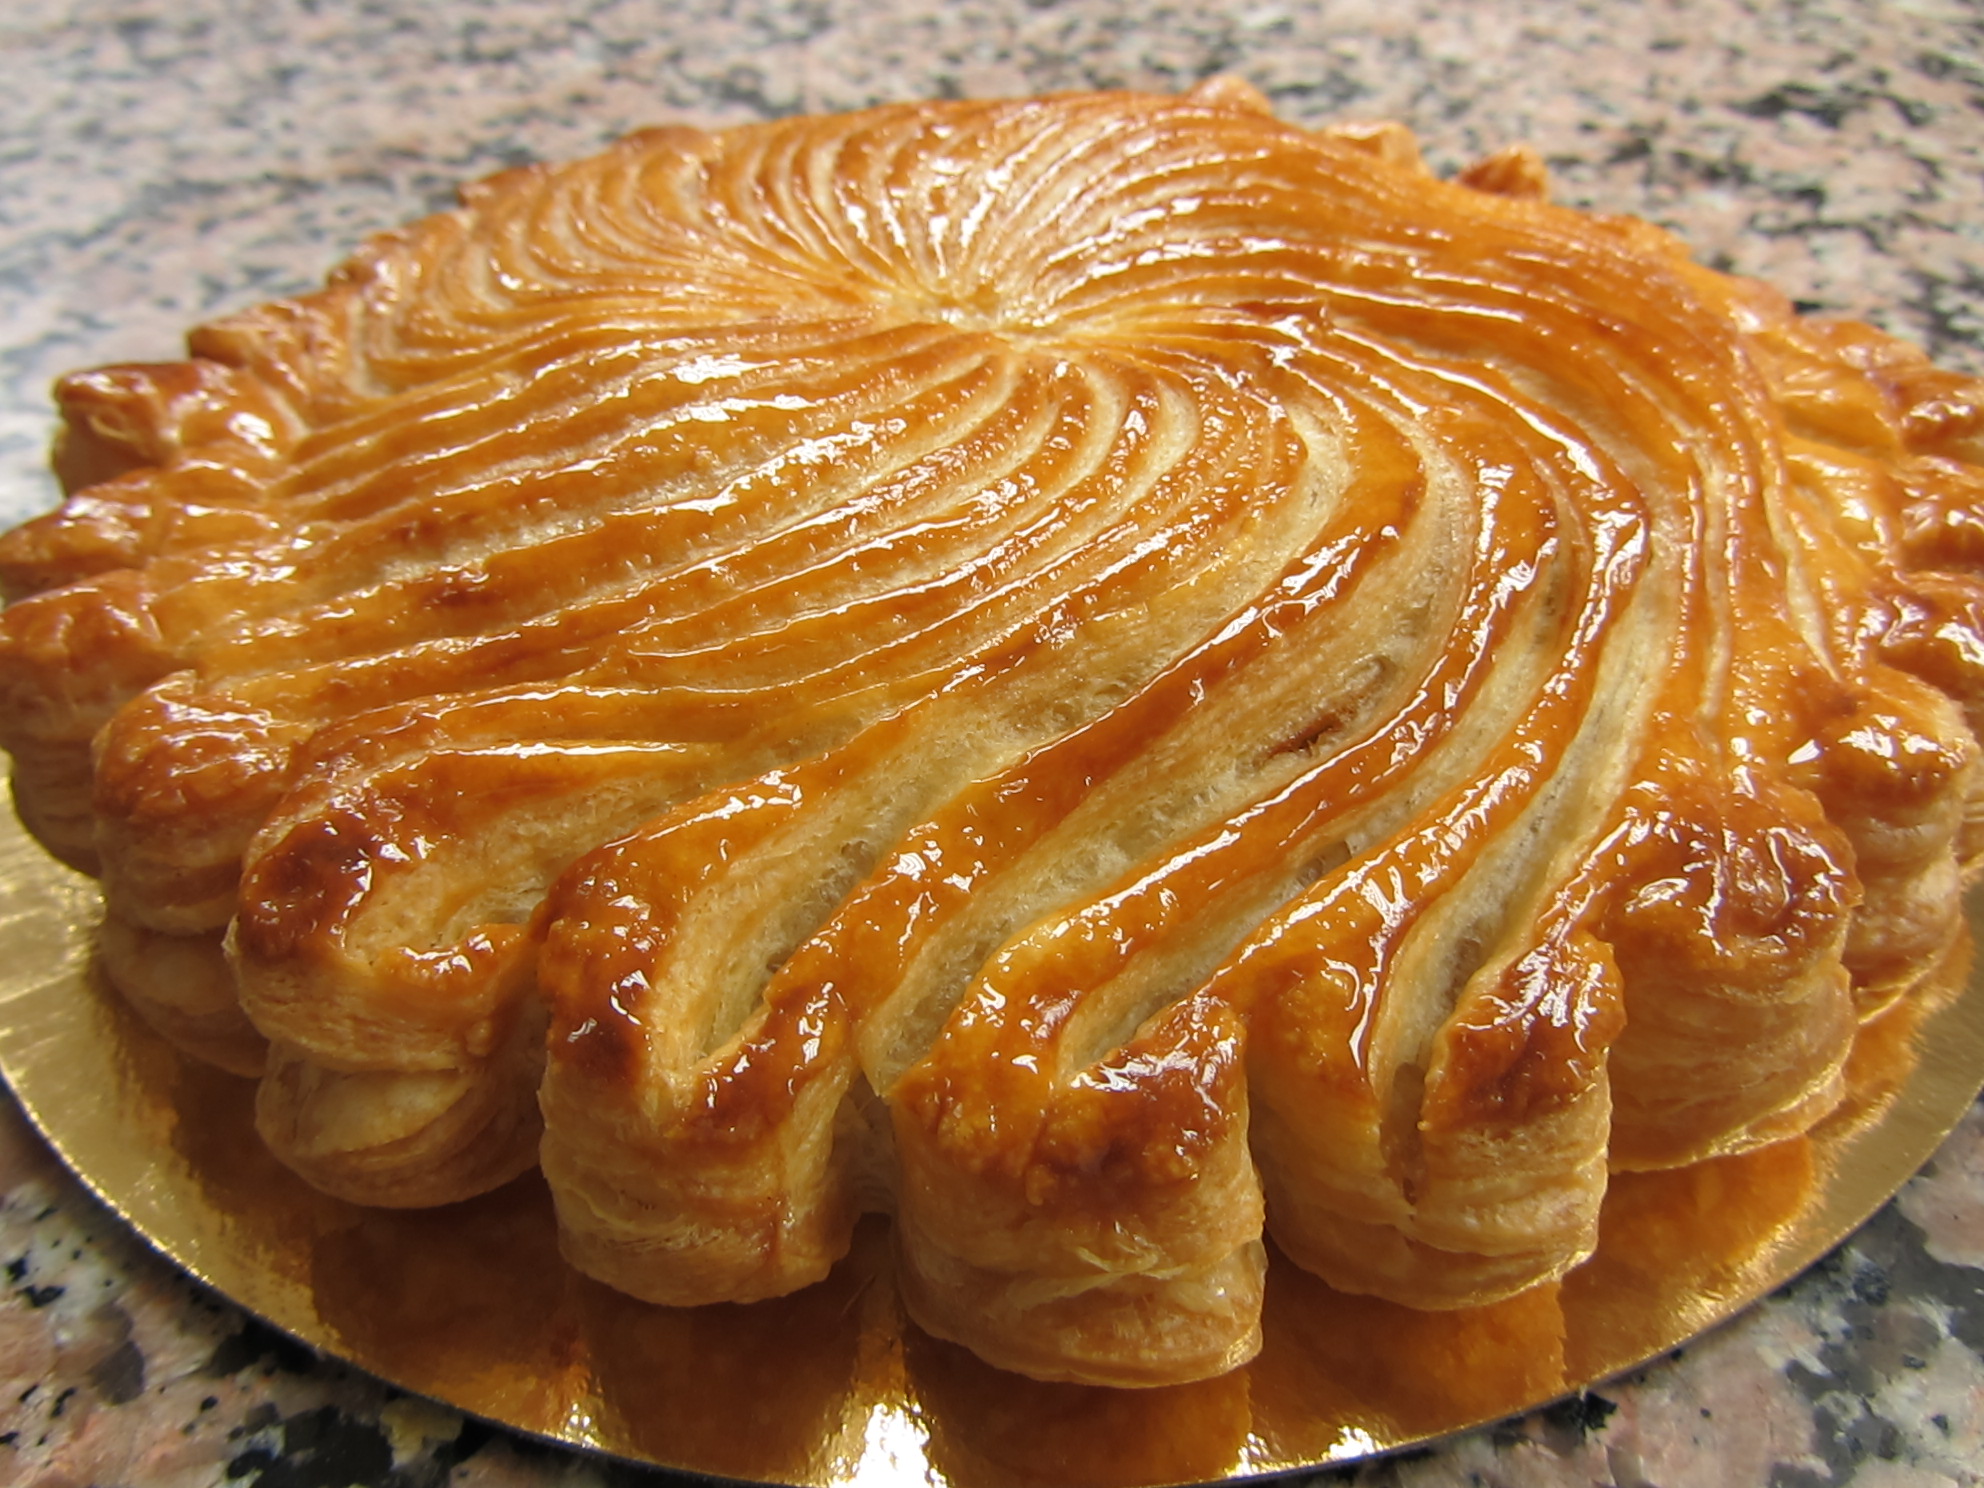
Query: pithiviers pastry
point(1093, 673)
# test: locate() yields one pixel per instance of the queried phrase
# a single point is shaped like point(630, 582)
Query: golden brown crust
point(1095, 673)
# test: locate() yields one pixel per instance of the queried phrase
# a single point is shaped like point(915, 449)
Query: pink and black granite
point(162, 164)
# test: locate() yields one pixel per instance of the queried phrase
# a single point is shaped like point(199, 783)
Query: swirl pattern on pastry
point(1092, 673)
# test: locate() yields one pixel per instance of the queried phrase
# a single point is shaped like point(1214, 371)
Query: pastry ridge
point(1109, 675)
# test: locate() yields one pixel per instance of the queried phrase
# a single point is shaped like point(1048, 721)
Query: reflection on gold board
point(471, 1305)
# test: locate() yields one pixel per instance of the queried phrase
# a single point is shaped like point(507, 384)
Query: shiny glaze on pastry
point(1091, 673)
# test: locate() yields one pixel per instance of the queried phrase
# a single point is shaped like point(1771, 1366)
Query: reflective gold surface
point(471, 1305)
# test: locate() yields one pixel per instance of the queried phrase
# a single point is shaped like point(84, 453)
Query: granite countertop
point(168, 163)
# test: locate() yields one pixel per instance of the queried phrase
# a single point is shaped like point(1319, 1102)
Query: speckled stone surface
point(164, 163)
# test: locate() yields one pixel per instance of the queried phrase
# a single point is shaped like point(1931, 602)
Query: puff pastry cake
point(1096, 674)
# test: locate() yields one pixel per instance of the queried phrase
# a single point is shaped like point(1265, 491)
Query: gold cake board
point(472, 1306)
